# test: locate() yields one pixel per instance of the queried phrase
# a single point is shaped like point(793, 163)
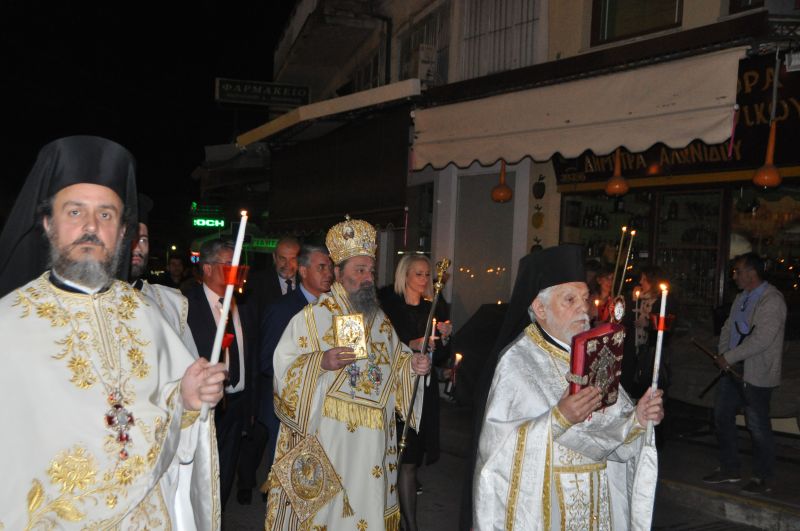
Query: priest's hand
point(202, 382)
point(420, 364)
point(576, 408)
point(335, 358)
point(650, 407)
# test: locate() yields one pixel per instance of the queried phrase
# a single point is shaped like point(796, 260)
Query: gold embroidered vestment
point(351, 411)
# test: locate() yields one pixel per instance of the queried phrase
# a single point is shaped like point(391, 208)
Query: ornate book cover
point(349, 331)
point(308, 478)
point(597, 360)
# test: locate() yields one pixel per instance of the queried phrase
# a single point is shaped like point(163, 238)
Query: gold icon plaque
point(349, 331)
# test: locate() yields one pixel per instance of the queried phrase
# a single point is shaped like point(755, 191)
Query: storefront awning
point(673, 102)
point(327, 110)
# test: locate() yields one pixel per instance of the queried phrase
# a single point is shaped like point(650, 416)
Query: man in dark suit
point(316, 274)
point(280, 277)
point(233, 415)
point(265, 287)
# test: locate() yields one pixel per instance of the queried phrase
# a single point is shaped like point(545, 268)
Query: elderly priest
point(547, 459)
point(101, 396)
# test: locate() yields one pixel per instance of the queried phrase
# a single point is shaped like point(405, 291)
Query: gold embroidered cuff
point(635, 432)
point(188, 418)
point(561, 419)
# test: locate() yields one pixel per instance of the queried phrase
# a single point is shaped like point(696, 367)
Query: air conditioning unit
point(424, 64)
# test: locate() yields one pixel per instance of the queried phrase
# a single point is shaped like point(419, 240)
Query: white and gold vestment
point(95, 430)
point(175, 309)
point(536, 471)
point(351, 412)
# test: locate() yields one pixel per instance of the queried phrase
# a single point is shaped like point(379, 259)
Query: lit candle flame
point(663, 287)
point(597, 302)
point(458, 357)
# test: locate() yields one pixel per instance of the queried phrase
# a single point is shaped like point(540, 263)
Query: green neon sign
point(264, 243)
point(208, 223)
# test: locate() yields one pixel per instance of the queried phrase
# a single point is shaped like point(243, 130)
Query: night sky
point(139, 73)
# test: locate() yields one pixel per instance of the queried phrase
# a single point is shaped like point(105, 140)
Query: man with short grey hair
point(751, 339)
point(233, 417)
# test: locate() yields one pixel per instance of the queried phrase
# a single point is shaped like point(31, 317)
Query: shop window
point(687, 245)
point(482, 255)
point(737, 6)
point(497, 35)
point(614, 20)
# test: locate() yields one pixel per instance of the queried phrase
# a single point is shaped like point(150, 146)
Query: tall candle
point(619, 254)
point(625, 267)
point(662, 320)
point(455, 366)
point(230, 281)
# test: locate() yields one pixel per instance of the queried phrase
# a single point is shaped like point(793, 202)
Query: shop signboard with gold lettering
point(754, 97)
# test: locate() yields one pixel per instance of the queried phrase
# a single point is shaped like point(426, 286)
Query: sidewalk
point(683, 502)
point(684, 461)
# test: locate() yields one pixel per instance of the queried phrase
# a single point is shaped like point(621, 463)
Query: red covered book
point(597, 360)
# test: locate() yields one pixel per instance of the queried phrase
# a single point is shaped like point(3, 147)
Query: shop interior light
point(617, 185)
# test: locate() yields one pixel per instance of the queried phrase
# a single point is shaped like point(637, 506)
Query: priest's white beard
point(365, 300)
point(90, 273)
point(566, 331)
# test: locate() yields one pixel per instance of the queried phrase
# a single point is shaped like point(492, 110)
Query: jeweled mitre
point(351, 237)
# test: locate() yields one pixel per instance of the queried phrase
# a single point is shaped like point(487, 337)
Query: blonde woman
point(407, 304)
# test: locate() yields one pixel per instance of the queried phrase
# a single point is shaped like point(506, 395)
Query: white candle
point(226, 303)
point(662, 320)
point(455, 367)
point(619, 254)
point(625, 267)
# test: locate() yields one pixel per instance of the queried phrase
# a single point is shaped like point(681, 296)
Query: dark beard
point(365, 300)
point(137, 270)
point(92, 274)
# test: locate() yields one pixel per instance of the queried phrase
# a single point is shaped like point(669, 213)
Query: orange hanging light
point(767, 176)
point(617, 185)
point(502, 193)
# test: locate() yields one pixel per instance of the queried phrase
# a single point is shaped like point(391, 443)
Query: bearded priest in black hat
point(101, 398)
point(547, 459)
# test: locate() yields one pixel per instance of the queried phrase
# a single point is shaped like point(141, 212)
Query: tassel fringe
point(392, 521)
point(352, 414)
point(347, 510)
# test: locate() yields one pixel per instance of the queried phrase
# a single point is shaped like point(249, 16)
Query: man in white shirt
point(234, 414)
